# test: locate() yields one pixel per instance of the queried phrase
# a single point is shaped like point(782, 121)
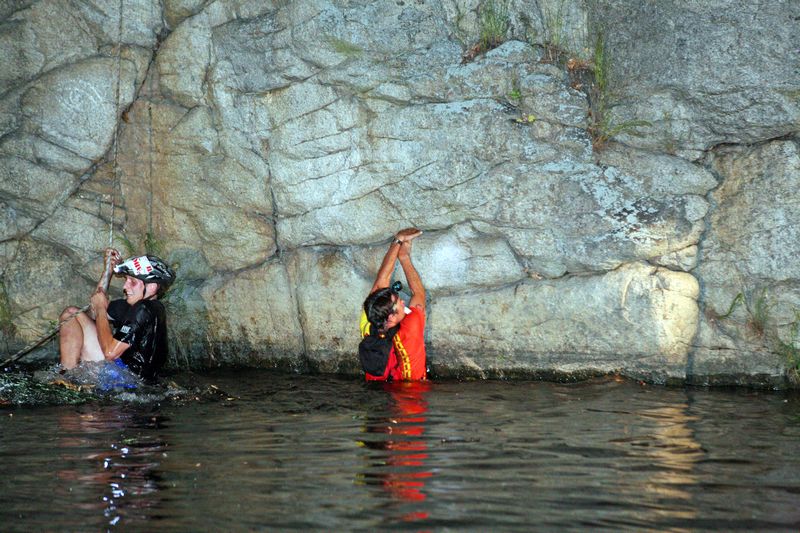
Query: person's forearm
point(110, 259)
point(412, 277)
point(387, 266)
point(104, 336)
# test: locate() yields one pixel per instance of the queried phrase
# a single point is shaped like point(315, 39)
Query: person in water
point(392, 346)
point(132, 332)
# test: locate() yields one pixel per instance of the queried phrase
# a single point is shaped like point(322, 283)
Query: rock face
point(270, 149)
point(704, 73)
point(751, 250)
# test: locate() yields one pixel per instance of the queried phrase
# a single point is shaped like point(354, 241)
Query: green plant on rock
point(602, 126)
point(600, 64)
point(757, 307)
point(151, 244)
point(737, 300)
point(555, 31)
point(790, 350)
point(494, 23)
point(603, 130)
point(758, 313)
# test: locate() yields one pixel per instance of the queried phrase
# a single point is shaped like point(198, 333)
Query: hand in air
point(112, 257)
point(408, 234)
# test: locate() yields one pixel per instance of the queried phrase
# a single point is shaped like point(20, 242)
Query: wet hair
point(378, 307)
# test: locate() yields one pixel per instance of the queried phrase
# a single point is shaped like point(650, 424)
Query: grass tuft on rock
point(493, 24)
point(603, 127)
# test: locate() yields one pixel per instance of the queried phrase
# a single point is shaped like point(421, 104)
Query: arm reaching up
point(393, 340)
point(412, 276)
point(387, 266)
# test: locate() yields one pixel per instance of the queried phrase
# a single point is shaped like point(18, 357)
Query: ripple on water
point(287, 452)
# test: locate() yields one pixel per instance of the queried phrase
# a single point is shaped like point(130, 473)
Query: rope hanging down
point(107, 272)
point(115, 179)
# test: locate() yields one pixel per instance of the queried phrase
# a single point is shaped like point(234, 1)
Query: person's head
point(384, 307)
point(146, 277)
point(137, 290)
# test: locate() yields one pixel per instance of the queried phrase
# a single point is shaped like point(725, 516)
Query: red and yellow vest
point(407, 358)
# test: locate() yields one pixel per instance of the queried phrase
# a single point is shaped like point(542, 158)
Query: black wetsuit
point(144, 327)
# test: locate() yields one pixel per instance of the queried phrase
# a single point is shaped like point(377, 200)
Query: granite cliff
point(605, 186)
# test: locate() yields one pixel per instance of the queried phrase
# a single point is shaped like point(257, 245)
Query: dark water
point(322, 453)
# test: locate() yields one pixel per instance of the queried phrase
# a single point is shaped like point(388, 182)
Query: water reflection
point(676, 451)
point(110, 462)
point(475, 456)
point(399, 465)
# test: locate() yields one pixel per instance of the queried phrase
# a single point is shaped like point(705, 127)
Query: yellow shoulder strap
point(364, 326)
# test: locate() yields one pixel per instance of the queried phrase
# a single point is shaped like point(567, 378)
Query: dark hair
point(162, 290)
point(378, 307)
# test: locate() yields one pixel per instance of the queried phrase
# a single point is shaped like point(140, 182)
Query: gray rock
point(329, 293)
point(175, 11)
point(685, 259)
point(637, 320)
point(77, 108)
point(183, 61)
point(574, 217)
point(722, 356)
point(462, 258)
point(702, 73)
point(38, 293)
point(87, 231)
point(752, 245)
point(234, 333)
point(37, 39)
point(457, 259)
point(235, 229)
point(32, 191)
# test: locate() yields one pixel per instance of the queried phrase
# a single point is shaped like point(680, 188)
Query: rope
point(114, 186)
point(115, 182)
point(29, 348)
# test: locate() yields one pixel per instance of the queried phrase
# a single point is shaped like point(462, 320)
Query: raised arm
point(111, 258)
point(112, 348)
point(412, 276)
point(387, 266)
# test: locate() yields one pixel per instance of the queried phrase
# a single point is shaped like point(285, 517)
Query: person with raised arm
point(392, 344)
point(131, 332)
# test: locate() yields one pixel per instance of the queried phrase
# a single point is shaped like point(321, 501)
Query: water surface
point(284, 452)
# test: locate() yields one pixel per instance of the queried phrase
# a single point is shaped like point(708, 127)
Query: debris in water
point(98, 382)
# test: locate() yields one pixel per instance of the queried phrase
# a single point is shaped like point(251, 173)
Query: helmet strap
point(144, 294)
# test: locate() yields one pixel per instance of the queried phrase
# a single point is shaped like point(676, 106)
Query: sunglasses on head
point(396, 287)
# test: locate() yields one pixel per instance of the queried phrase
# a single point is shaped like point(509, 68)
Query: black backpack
point(374, 350)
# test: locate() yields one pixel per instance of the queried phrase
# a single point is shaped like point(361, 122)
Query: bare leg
point(78, 339)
